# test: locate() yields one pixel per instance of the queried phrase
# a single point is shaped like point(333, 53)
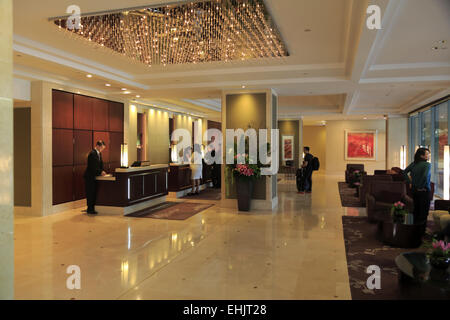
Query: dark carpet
point(363, 250)
point(171, 211)
point(348, 196)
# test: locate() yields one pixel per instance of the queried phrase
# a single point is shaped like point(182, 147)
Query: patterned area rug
point(172, 211)
point(363, 250)
point(348, 196)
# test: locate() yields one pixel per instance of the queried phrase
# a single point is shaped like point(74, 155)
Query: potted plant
point(398, 212)
point(439, 257)
point(244, 175)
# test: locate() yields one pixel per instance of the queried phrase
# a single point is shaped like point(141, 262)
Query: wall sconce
point(446, 172)
point(124, 156)
point(403, 157)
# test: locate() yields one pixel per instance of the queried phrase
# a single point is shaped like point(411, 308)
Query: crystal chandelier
point(193, 32)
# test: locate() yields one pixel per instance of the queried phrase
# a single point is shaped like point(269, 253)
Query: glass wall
point(430, 129)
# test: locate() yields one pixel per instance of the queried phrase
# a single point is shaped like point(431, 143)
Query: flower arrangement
point(398, 212)
point(247, 170)
point(439, 255)
point(357, 174)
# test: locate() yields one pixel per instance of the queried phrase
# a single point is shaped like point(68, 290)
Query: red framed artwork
point(361, 145)
point(288, 148)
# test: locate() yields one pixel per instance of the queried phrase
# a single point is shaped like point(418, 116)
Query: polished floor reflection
point(296, 252)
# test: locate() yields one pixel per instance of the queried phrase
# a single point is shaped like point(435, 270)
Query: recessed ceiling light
point(138, 96)
point(108, 85)
point(124, 89)
point(243, 87)
point(89, 75)
point(126, 92)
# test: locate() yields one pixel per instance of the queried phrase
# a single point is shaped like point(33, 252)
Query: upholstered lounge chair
point(441, 215)
point(382, 195)
point(352, 168)
point(367, 181)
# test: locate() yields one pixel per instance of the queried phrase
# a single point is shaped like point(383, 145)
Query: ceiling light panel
point(205, 31)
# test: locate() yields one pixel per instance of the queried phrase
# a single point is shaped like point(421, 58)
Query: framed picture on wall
point(361, 145)
point(288, 148)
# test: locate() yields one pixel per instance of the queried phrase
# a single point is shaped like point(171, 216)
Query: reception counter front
point(132, 189)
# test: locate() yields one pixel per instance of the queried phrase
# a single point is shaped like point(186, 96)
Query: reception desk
point(180, 182)
point(132, 189)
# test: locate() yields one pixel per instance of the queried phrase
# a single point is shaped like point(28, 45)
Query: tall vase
point(244, 191)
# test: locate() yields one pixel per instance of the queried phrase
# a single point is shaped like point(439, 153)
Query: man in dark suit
point(94, 169)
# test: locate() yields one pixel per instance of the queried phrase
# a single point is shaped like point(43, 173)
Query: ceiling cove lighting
point(188, 32)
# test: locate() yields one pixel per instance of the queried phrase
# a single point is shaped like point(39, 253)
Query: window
point(430, 129)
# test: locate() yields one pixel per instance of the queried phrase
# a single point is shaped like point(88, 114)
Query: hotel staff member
point(94, 169)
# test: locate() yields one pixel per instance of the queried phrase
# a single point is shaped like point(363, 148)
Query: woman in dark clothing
point(420, 171)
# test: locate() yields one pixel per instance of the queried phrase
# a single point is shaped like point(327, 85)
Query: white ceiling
point(339, 69)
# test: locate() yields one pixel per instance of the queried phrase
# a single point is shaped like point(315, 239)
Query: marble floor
point(295, 252)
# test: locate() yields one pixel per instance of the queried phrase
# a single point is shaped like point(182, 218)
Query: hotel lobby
point(233, 149)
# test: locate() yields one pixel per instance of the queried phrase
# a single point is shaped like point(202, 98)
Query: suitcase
point(300, 179)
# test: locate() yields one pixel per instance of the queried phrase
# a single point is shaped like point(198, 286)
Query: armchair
point(382, 195)
point(367, 181)
point(441, 215)
point(351, 168)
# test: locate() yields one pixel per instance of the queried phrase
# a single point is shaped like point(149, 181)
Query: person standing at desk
point(94, 169)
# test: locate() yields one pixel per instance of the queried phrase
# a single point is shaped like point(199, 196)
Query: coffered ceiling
point(336, 68)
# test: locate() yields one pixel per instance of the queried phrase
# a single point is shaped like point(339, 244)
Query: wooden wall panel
point(62, 184)
point(116, 116)
point(78, 183)
point(82, 146)
point(113, 166)
point(100, 135)
point(83, 112)
point(62, 147)
point(78, 122)
point(62, 110)
point(100, 118)
point(115, 142)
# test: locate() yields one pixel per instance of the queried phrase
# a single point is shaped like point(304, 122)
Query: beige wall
point(335, 145)
point(315, 137)
point(397, 132)
point(6, 155)
point(183, 122)
point(158, 136)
